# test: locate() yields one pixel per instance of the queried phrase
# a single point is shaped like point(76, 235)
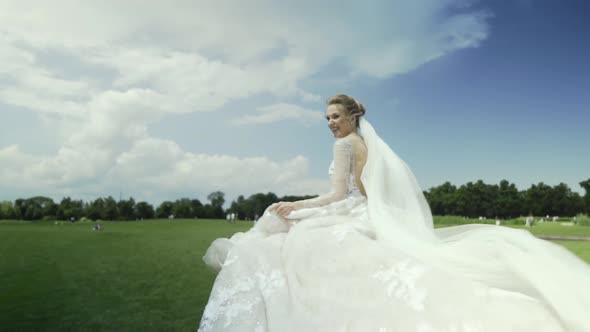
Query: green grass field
point(131, 276)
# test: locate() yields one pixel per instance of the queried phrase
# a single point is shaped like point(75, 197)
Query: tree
point(260, 202)
point(7, 210)
point(477, 199)
point(19, 207)
point(126, 209)
point(44, 207)
point(197, 208)
point(110, 209)
point(144, 210)
point(95, 209)
point(294, 198)
point(70, 209)
point(182, 208)
point(576, 205)
point(537, 199)
point(443, 199)
point(560, 199)
point(164, 210)
point(509, 202)
point(586, 185)
point(239, 206)
point(256, 204)
point(217, 199)
point(34, 208)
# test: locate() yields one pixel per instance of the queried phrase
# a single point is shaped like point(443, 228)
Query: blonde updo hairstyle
point(349, 105)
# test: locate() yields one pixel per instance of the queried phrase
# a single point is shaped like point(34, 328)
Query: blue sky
point(516, 107)
point(178, 102)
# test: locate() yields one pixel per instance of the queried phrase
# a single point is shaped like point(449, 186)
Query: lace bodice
point(342, 176)
point(353, 189)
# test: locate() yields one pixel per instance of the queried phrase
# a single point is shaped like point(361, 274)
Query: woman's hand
point(283, 208)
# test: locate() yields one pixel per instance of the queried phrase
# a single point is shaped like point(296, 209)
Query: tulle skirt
point(323, 270)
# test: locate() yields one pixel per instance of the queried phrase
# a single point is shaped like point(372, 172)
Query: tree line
point(504, 200)
point(473, 199)
point(107, 208)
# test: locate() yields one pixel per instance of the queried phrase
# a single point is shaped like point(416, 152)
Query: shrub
point(582, 220)
point(515, 221)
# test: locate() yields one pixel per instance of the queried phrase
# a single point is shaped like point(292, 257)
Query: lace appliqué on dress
point(229, 303)
point(400, 281)
point(352, 188)
point(223, 306)
point(270, 283)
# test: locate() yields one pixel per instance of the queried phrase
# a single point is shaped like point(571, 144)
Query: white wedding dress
point(348, 263)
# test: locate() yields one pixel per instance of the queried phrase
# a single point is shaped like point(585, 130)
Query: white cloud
point(154, 169)
point(280, 112)
point(309, 97)
point(102, 72)
point(178, 170)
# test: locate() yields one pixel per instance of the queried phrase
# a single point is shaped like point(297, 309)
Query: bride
point(365, 257)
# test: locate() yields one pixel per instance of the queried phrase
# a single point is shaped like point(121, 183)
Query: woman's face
point(338, 122)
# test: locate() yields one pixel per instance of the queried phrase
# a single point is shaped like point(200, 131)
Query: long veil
point(394, 194)
point(502, 258)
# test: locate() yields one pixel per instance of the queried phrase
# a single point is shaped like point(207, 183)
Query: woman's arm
point(342, 163)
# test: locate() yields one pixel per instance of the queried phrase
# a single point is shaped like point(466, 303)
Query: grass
point(132, 275)
point(558, 229)
point(582, 249)
point(545, 228)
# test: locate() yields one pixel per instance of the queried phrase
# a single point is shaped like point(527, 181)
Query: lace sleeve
point(339, 177)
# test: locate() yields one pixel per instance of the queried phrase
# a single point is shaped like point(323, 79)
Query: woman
point(365, 257)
